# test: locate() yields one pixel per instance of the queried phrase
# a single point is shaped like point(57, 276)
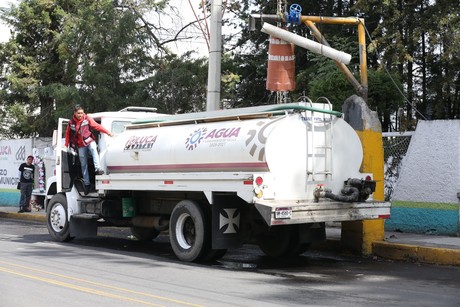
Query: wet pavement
point(434, 249)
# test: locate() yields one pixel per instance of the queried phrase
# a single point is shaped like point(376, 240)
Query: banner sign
point(12, 154)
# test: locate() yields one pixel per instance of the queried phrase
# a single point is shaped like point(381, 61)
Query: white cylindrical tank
point(284, 146)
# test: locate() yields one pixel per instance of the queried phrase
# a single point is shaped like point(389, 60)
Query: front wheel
point(57, 220)
point(189, 231)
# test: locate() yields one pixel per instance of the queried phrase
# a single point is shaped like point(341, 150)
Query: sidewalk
point(12, 212)
point(442, 250)
point(432, 249)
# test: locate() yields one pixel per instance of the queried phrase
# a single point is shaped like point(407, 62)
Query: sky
point(197, 42)
point(4, 31)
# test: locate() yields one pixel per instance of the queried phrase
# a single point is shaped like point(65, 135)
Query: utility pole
point(215, 54)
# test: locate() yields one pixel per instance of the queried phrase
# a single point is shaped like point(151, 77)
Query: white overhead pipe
point(306, 43)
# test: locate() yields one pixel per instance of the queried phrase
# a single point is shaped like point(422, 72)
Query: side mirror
point(55, 134)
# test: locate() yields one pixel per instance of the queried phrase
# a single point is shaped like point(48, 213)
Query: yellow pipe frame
point(309, 22)
point(363, 58)
point(331, 20)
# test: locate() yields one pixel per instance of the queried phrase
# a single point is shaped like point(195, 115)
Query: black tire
point(57, 220)
point(279, 241)
point(300, 248)
point(189, 231)
point(144, 234)
point(214, 254)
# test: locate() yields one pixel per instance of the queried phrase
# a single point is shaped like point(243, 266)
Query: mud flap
point(226, 221)
point(81, 227)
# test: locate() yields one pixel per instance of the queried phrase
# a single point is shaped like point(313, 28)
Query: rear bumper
point(323, 211)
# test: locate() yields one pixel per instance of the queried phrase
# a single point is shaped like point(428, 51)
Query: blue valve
point(294, 14)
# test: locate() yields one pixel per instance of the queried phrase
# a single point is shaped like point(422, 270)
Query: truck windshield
point(119, 126)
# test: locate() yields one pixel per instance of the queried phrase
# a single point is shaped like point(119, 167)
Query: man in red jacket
point(79, 136)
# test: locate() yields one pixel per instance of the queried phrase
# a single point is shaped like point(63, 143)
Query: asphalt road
point(115, 270)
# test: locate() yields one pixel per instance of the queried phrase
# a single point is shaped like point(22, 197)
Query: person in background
point(79, 137)
point(26, 182)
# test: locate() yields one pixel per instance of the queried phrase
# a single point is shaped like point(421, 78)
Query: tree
point(420, 41)
point(384, 97)
point(97, 53)
point(246, 56)
point(106, 55)
point(439, 59)
point(179, 85)
point(30, 64)
point(410, 42)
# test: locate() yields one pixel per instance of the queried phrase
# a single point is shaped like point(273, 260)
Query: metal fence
point(395, 145)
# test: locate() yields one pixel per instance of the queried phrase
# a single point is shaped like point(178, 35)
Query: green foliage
point(384, 97)
point(21, 126)
point(331, 85)
point(179, 85)
point(320, 77)
point(109, 53)
point(30, 64)
point(106, 55)
point(419, 40)
point(96, 53)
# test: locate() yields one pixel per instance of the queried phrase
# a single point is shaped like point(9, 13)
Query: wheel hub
point(57, 218)
point(185, 231)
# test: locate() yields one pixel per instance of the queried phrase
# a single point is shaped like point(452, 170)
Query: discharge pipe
point(306, 43)
point(354, 190)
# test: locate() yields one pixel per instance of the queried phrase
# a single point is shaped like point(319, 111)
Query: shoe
point(27, 211)
point(21, 211)
point(87, 188)
point(99, 172)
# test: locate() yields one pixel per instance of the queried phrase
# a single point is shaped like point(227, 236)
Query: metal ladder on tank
point(326, 147)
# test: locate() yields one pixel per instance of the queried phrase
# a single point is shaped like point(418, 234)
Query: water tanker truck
point(271, 175)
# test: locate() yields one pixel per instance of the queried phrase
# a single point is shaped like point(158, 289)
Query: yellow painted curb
point(23, 216)
point(422, 254)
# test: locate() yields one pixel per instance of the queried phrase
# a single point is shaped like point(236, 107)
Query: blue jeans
point(26, 193)
point(83, 155)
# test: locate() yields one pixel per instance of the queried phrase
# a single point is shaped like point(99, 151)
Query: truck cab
point(67, 165)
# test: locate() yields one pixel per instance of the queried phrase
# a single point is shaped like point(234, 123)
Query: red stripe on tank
point(197, 167)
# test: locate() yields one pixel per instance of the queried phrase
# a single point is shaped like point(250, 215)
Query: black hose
point(349, 194)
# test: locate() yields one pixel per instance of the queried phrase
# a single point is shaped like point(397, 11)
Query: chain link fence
point(395, 146)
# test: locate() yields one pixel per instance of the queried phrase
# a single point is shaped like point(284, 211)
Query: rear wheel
point(57, 220)
point(300, 248)
point(144, 234)
point(189, 231)
point(279, 241)
point(214, 254)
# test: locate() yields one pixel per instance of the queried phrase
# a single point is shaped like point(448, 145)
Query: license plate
point(283, 213)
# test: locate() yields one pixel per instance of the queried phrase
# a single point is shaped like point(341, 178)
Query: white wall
point(431, 169)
